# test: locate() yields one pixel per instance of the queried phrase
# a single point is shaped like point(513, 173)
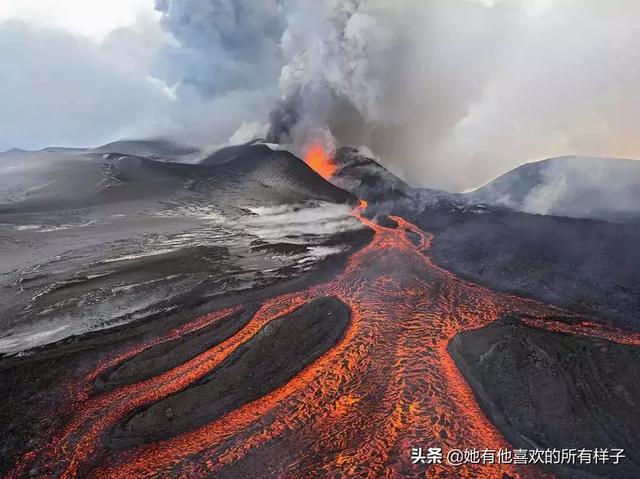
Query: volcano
point(252, 314)
point(358, 172)
point(579, 187)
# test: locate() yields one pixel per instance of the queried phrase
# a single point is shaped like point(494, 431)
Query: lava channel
point(388, 385)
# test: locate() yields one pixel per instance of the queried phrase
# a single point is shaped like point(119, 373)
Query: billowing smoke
point(336, 61)
point(223, 64)
point(584, 187)
point(326, 59)
point(449, 93)
point(223, 45)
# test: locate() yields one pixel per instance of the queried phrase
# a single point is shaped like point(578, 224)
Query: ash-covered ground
point(91, 241)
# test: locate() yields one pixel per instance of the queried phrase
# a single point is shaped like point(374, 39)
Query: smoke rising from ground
point(578, 187)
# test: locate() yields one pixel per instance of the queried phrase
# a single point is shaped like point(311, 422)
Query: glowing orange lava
point(319, 160)
point(388, 385)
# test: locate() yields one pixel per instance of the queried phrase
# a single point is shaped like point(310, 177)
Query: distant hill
point(155, 148)
point(14, 152)
point(577, 187)
point(159, 148)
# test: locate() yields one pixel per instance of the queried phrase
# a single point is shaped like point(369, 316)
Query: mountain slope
point(154, 148)
point(578, 187)
point(360, 174)
point(253, 174)
point(259, 171)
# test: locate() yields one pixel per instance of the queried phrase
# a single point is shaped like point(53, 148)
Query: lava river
point(388, 385)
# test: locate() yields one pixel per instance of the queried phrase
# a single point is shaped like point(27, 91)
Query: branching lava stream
point(388, 385)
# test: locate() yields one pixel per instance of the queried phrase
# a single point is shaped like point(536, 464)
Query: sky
point(448, 93)
point(91, 18)
point(76, 73)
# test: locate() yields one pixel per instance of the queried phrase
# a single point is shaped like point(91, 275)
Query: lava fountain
point(319, 160)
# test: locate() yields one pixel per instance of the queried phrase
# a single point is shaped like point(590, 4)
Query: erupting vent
point(319, 160)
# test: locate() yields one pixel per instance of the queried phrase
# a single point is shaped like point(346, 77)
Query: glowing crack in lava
point(388, 385)
point(319, 160)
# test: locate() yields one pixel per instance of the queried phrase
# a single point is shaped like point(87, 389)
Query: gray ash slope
point(96, 240)
point(578, 187)
point(101, 250)
point(160, 148)
point(255, 173)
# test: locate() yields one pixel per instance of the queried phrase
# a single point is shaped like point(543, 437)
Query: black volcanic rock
point(268, 360)
point(365, 177)
point(550, 390)
point(579, 187)
point(385, 221)
point(590, 267)
point(165, 356)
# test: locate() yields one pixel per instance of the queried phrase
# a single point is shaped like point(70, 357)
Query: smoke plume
point(449, 93)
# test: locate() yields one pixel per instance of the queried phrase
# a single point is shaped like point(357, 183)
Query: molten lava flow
point(388, 385)
point(320, 161)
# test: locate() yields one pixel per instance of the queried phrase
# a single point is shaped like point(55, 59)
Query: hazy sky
point(453, 92)
point(77, 72)
point(93, 18)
